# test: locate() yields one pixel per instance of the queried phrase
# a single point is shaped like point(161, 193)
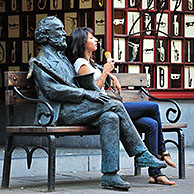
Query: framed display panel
point(42, 5)
point(175, 76)
point(188, 5)
point(162, 24)
point(148, 23)
point(162, 77)
point(189, 50)
point(55, 4)
point(147, 4)
point(189, 25)
point(148, 50)
point(14, 53)
point(99, 23)
point(13, 26)
point(133, 69)
point(2, 6)
point(176, 5)
point(149, 70)
point(133, 49)
point(119, 49)
point(189, 77)
point(100, 49)
point(28, 26)
point(119, 4)
point(28, 5)
point(85, 4)
point(119, 22)
point(161, 50)
point(14, 5)
point(2, 52)
point(39, 17)
point(133, 23)
point(99, 4)
point(70, 21)
point(3, 26)
point(86, 19)
point(176, 51)
point(27, 50)
point(176, 21)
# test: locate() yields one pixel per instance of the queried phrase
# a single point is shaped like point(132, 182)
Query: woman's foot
point(166, 156)
point(161, 179)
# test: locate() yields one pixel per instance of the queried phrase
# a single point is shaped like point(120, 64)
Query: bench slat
point(132, 79)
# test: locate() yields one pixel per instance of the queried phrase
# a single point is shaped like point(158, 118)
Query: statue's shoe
point(114, 181)
point(147, 159)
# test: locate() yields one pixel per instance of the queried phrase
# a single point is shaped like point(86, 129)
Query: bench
point(17, 87)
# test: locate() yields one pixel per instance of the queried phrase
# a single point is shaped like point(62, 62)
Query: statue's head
point(50, 31)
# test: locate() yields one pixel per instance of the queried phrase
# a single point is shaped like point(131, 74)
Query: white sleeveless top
point(82, 61)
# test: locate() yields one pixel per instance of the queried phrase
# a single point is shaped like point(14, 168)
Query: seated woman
point(145, 115)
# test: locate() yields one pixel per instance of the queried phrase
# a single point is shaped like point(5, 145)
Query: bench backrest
point(130, 83)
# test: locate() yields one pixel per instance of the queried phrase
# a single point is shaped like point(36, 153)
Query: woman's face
point(91, 43)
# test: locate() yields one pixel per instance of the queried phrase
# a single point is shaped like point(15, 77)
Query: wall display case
point(155, 37)
point(19, 19)
point(158, 39)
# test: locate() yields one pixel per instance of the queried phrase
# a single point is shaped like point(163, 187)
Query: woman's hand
point(108, 67)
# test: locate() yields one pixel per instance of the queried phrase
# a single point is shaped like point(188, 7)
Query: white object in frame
point(13, 26)
point(27, 5)
point(27, 50)
point(176, 25)
point(132, 17)
point(119, 3)
point(162, 77)
point(189, 25)
point(190, 4)
point(147, 3)
point(189, 77)
point(174, 3)
point(2, 52)
point(119, 49)
point(163, 26)
point(148, 50)
point(161, 50)
point(148, 24)
point(148, 76)
point(39, 17)
point(55, 4)
point(85, 4)
point(99, 23)
point(176, 54)
point(133, 69)
point(135, 48)
point(70, 22)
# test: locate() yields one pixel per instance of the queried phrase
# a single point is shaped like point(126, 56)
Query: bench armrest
point(33, 100)
point(177, 110)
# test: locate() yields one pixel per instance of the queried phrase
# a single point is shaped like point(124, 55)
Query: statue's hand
point(96, 96)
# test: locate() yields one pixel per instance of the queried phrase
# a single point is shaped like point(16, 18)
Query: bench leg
point(181, 149)
point(137, 171)
point(51, 162)
point(7, 162)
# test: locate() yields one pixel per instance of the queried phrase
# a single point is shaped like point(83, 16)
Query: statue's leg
point(109, 123)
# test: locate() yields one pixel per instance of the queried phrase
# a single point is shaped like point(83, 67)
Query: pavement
point(72, 179)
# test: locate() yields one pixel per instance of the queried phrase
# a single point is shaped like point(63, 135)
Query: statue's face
point(57, 35)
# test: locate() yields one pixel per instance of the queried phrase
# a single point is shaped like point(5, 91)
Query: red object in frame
point(109, 27)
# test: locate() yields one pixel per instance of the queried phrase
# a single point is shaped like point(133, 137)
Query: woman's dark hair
point(76, 43)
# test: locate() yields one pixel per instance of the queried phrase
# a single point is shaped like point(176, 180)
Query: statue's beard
point(57, 43)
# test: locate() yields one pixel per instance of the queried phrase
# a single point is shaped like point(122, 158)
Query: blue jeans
point(146, 118)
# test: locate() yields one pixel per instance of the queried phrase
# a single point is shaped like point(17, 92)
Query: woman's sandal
point(166, 157)
point(156, 181)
